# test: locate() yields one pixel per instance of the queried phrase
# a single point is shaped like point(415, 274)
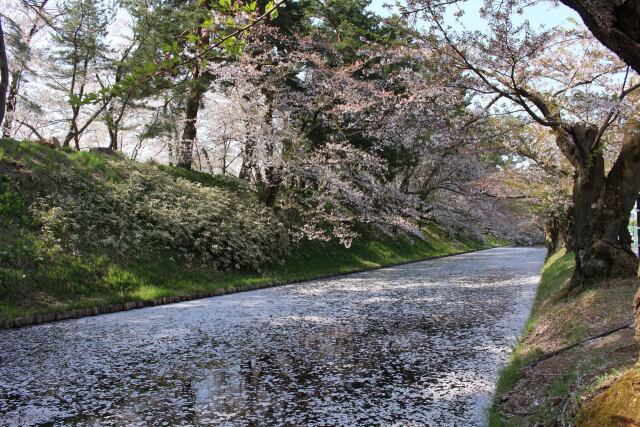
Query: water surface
point(413, 345)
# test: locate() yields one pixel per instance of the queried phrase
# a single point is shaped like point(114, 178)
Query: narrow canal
point(415, 345)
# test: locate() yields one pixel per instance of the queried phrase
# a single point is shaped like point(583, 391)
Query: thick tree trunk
point(4, 74)
point(190, 131)
point(271, 186)
point(615, 23)
point(600, 214)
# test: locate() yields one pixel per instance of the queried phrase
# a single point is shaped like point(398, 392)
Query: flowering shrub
point(146, 208)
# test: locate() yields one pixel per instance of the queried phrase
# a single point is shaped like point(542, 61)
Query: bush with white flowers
point(147, 208)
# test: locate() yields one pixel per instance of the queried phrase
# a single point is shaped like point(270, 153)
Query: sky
point(544, 14)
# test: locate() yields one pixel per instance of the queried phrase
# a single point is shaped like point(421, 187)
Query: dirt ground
point(571, 385)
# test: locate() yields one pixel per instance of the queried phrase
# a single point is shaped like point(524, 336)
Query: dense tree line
point(339, 117)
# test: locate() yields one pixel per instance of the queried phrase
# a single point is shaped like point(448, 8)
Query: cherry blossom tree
point(584, 102)
point(23, 32)
point(384, 140)
point(340, 124)
point(538, 174)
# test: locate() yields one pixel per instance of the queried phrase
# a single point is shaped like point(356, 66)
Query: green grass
point(560, 319)
point(73, 282)
point(555, 273)
point(37, 278)
point(205, 179)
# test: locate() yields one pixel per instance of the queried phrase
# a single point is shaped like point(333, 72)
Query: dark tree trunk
point(248, 160)
point(4, 74)
point(551, 236)
point(269, 194)
point(604, 251)
point(12, 100)
point(615, 24)
point(600, 213)
point(555, 228)
point(272, 172)
point(189, 133)
point(271, 186)
point(199, 86)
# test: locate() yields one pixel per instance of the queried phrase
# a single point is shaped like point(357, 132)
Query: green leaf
point(269, 6)
point(272, 9)
point(150, 67)
point(251, 7)
point(74, 100)
point(208, 23)
point(229, 42)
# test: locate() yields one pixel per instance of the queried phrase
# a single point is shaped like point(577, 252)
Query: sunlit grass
point(36, 278)
point(87, 282)
point(555, 273)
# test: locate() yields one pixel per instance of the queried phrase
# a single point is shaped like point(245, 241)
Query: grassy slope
point(38, 280)
point(556, 271)
point(557, 386)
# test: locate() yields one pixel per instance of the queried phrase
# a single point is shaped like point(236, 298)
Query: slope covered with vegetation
point(333, 116)
point(86, 229)
point(575, 347)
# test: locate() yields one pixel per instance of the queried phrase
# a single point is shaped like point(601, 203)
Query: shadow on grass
point(36, 278)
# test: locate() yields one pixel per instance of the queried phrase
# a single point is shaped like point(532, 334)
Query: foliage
point(74, 247)
point(561, 80)
point(124, 208)
point(338, 117)
point(78, 49)
point(349, 26)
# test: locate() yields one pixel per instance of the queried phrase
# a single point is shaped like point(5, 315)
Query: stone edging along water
point(37, 319)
